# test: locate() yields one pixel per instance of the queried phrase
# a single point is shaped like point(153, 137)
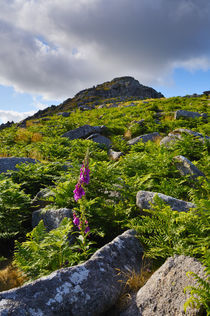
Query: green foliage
point(200, 293)
point(166, 232)
point(14, 205)
point(44, 252)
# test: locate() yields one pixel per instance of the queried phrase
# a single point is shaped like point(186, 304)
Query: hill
point(136, 148)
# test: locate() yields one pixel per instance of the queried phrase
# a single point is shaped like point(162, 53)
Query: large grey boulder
point(64, 114)
point(144, 138)
point(144, 199)
point(83, 131)
point(51, 217)
point(9, 163)
point(163, 294)
point(177, 135)
point(88, 289)
point(100, 139)
point(179, 131)
point(188, 114)
point(186, 167)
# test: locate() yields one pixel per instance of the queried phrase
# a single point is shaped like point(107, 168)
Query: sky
point(52, 49)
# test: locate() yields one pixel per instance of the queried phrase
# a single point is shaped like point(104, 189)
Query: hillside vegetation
point(110, 199)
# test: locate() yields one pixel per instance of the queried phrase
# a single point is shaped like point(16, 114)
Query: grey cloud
point(89, 41)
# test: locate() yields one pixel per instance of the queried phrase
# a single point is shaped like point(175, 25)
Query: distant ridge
point(118, 89)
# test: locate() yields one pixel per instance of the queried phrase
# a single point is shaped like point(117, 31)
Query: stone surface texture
point(114, 155)
point(85, 290)
point(144, 138)
point(188, 114)
point(100, 139)
point(186, 167)
point(9, 163)
point(163, 293)
point(83, 131)
point(51, 217)
point(145, 198)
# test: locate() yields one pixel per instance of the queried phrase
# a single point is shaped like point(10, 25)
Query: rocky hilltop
point(118, 89)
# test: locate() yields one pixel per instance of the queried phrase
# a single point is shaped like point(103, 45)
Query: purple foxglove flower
point(85, 174)
point(76, 221)
point(78, 192)
point(87, 229)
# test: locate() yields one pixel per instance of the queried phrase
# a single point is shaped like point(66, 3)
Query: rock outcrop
point(51, 217)
point(84, 131)
point(119, 87)
point(85, 290)
point(144, 199)
point(163, 294)
point(144, 138)
point(186, 167)
point(9, 163)
point(188, 114)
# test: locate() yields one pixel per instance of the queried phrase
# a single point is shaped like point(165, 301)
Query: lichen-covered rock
point(9, 163)
point(114, 155)
point(186, 167)
point(163, 294)
point(100, 139)
point(188, 114)
point(145, 198)
point(51, 217)
point(177, 135)
point(179, 131)
point(168, 141)
point(84, 131)
point(144, 138)
point(85, 290)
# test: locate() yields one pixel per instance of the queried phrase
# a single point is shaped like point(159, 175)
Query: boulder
point(97, 138)
point(176, 135)
point(88, 289)
point(145, 198)
point(51, 217)
point(188, 114)
point(163, 294)
point(144, 138)
point(64, 114)
point(41, 199)
point(9, 163)
point(186, 167)
point(168, 141)
point(179, 131)
point(114, 155)
point(83, 131)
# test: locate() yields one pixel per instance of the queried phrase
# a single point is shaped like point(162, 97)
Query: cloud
point(6, 116)
point(56, 48)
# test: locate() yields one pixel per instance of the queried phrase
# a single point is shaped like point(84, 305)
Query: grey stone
point(177, 132)
point(163, 294)
point(83, 131)
point(9, 163)
point(144, 138)
point(41, 199)
point(186, 167)
point(187, 114)
point(88, 289)
point(51, 217)
point(64, 114)
point(144, 198)
point(115, 155)
point(97, 138)
point(168, 141)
